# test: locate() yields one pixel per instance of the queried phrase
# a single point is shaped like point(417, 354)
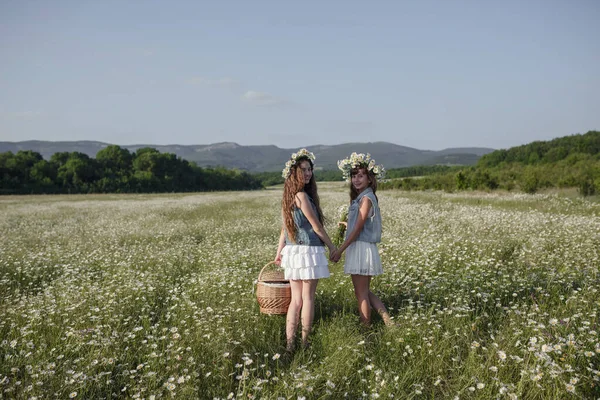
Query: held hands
point(277, 259)
point(335, 255)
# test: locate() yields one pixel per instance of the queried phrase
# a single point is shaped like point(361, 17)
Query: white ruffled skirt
point(304, 262)
point(362, 258)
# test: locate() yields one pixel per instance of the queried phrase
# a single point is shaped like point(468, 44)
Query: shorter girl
point(363, 233)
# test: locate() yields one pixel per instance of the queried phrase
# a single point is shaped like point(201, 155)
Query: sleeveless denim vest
point(305, 234)
point(371, 231)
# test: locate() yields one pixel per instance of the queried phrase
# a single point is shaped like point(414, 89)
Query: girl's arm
point(304, 205)
point(280, 247)
point(363, 214)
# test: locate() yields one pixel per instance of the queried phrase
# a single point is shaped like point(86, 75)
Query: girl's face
point(306, 171)
point(360, 180)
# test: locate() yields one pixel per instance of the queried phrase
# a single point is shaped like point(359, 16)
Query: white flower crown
point(360, 161)
point(302, 153)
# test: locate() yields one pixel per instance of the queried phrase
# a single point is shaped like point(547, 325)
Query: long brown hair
point(293, 185)
point(372, 182)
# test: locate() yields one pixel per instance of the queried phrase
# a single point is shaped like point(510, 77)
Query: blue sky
point(424, 74)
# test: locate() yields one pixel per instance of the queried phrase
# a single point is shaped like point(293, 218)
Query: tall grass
point(153, 297)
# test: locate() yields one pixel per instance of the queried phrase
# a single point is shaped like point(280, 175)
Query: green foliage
point(545, 151)
point(114, 170)
point(269, 178)
point(275, 178)
point(114, 159)
point(572, 161)
point(530, 181)
point(587, 188)
point(461, 181)
point(420, 170)
point(329, 175)
point(587, 183)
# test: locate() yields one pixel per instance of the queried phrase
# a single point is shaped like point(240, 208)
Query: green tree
point(77, 174)
point(43, 176)
point(461, 181)
point(114, 159)
point(115, 169)
point(530, 181)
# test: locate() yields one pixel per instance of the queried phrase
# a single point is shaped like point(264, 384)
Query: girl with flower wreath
point(301, 248)
point(363, 232)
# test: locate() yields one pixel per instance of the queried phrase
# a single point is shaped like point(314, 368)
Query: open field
point(152, 296)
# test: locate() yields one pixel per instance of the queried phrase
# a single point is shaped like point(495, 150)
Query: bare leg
point(361, 290)
point(293, 314)
point(309, 288)
point(377, 304)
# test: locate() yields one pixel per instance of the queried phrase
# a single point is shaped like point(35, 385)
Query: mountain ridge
point(261, 158)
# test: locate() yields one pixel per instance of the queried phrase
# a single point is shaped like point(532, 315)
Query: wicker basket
point(273, 291)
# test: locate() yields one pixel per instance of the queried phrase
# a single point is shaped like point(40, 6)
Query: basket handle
point(263, 268)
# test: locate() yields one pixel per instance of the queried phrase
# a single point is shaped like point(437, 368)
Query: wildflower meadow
point(495, 296)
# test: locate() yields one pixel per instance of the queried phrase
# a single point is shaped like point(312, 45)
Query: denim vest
point(371, 231)
point(305, 234)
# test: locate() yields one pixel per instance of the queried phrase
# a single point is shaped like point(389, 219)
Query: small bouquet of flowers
point(340, 232)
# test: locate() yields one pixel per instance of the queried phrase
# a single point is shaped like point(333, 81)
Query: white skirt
point(362, 258)
point(304, 262)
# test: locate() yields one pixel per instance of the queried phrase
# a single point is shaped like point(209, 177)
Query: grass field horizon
point(496, 295)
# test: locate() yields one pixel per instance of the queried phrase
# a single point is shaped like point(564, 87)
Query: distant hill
point(268, 158)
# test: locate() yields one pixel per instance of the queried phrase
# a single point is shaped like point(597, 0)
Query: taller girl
point(363, 233)
point(301, 250)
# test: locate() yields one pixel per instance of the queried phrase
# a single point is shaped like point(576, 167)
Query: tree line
point(275, 178)
point(570, 161)
point(114, 170)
